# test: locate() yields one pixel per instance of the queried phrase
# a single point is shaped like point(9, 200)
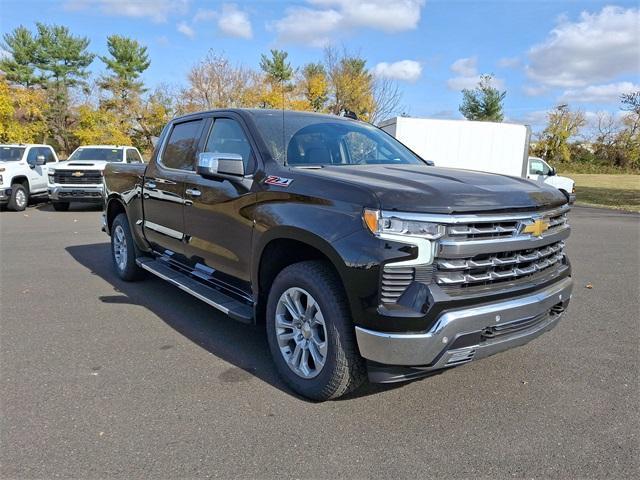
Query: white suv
point(79, 179)
point(23, 173)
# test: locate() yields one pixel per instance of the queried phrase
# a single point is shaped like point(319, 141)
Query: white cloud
point(186, 30)
point(156, 10)
point(319, 24)
point(534, 90)
point(407, 70)
point(468, 75)
point(509, 62)
point(608, 93)
point(233, 22)
point(203, 15)
point(596, 48)
point(465, 67)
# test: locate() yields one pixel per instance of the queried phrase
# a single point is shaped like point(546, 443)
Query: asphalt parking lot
point(106, 379)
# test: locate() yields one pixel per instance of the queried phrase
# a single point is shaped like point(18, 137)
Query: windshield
point(11, 154)
point(320, 140)
point(103, 154)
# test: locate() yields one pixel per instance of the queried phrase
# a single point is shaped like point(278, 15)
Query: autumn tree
point(315, 86)
point(562, 125)
point(484, 102)
point(350, 84)
point(21, 116)
point(278, 74)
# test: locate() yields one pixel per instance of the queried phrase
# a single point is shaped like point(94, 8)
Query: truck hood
point(417, 188)
point(81, 165)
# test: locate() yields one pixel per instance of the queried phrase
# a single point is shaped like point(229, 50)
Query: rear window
point(11, 154)
point(98, 154)
point(180, 150)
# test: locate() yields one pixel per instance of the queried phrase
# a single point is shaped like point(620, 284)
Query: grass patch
point(612, 191)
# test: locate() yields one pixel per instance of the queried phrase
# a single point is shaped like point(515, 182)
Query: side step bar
point(234, 308)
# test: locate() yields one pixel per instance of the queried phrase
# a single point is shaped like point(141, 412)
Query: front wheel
point(310, 332)
point(19, 198)
point(123, 250)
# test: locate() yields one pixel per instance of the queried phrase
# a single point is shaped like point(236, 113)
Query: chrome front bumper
point(79, 193)
point(459, 336)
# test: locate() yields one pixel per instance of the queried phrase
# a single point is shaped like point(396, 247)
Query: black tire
point(126, 268)
point(344, 369)
point(61, 206)
point(19, 198)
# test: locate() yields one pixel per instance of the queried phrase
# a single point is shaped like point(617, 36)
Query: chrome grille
point(71, 177)
point(498, 267)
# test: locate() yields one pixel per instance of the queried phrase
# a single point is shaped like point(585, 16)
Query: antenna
point(284, 148)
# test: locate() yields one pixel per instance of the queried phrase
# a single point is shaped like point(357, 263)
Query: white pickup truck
point(23, 173)
point(79, 179)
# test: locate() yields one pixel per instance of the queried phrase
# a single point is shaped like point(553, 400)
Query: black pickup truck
point(357, 256)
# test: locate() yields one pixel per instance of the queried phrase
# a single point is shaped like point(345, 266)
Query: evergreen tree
point(18, 66)
point(277, 69)
point(484, 102)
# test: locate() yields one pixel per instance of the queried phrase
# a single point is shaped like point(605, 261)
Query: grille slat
point(71, 177)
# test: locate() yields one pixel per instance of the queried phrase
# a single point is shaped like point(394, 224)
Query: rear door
point(218, 225)
point(164, 186)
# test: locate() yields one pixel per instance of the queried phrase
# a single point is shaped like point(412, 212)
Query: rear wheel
point(19, 197)
point(61, 206)
point(123, 250)
point(310, 332)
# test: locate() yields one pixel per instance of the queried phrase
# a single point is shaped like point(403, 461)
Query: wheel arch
point(284, 247)
point(22, 180)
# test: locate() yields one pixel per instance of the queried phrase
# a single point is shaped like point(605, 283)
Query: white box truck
point(484, 146)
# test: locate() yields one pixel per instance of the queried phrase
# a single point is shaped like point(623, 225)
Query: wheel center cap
point(306, 330)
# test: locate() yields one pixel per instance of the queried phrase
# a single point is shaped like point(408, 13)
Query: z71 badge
point(278, 181)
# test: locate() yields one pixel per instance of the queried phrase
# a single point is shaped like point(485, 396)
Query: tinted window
point(227, 136)
point(48, 154)
point(97, 154)
point(11, 154)
point(181, 147)
point(304, 139)
point(133, 156)
point(31, 156)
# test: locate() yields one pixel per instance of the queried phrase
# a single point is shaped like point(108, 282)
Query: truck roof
point(266, 112)
point(106, 146)
point(24, 145)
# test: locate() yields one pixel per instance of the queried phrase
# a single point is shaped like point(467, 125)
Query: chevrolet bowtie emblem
point(78, 174)
point(537, 228)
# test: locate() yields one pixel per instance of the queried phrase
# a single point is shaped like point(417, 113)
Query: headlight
point(52, 171)
point(380, 223)
point(1, 180)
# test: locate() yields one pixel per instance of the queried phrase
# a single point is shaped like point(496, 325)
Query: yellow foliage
point(98, 126)
point(21, 115)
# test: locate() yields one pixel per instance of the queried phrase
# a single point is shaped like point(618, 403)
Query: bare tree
point(386, 100)
point(215, 83)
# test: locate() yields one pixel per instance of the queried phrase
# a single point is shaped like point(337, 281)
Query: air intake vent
point(395, 281)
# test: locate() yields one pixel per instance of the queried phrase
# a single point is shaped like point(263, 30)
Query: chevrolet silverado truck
point(23, 173)
point(358, 257)
point(79, 179)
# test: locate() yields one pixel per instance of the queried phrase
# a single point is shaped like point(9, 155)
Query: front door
point(37, 173)
point(164, 186)
point(217, 220)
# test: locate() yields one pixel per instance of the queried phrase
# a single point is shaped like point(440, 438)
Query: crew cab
point(541, 171)
point(79, 179)
point(23, 173)
point(358, 257)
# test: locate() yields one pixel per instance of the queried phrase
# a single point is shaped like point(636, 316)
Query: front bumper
point(5, 195)
point(461, 335)
point(79, 193)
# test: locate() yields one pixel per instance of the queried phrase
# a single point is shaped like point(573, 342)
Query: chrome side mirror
point(212, 164)
point(40, 160)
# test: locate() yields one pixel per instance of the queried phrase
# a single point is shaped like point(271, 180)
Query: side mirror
point(431, 163)
point(212, 164)
point(552, 171)
point(40, 160)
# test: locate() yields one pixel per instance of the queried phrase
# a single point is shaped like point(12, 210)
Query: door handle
point(194, 192)
point(149, 185)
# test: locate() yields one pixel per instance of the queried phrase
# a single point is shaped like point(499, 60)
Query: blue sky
point(584, 53)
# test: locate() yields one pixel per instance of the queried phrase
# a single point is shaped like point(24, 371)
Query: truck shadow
point(244, 346)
